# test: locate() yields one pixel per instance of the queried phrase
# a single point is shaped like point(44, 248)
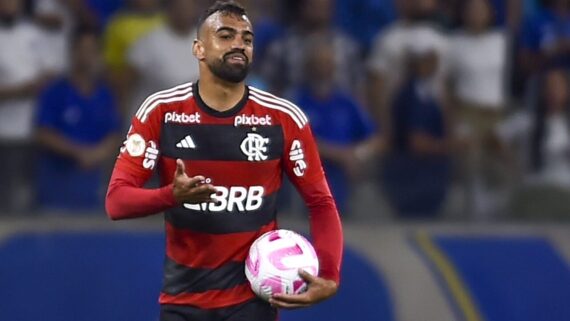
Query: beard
point(233, 73)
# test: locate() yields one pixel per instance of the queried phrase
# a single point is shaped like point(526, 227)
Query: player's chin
point(236, 74)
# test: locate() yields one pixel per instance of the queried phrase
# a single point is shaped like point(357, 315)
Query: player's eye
point(226, 36)
point(248, 41)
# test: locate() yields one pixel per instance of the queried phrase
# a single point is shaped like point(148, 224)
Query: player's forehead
point(227, 21)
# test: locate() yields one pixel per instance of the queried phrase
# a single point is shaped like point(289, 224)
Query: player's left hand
point(319, 289)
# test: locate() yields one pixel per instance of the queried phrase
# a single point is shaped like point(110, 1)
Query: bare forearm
point(14, 92)
point(333, 153)
point(110, 144)
point(427, 145)
point(378, 97)
point(57, 143)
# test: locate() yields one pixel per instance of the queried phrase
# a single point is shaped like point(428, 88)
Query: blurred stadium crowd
point(433, 108)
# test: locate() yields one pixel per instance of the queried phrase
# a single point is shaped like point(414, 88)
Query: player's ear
point(198, 49)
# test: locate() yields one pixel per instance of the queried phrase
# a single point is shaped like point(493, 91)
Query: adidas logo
point(186, 142)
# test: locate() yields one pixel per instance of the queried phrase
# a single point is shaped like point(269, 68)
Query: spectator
point(416, 173)
point(163, 58)
point(477, 63)
point(545, 38)
point(363, 19)
point(77, 130)
point(477, 60)
point(124, 29)
point(57, 18)
point(550, 144)
point(386, 63)
point(543, 139)
point(506, 13)
point(283, 66)
point(22, 74)
point(344, 132)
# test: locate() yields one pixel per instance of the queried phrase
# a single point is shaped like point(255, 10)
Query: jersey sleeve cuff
point(330, 275)
point(167, 194)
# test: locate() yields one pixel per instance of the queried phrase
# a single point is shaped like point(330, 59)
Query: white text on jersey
point(174, 117)
point(150, 156)
point(252, 120)
point(233, 198)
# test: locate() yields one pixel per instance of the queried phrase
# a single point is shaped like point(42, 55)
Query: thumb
point(180, 168)
point(308, 277)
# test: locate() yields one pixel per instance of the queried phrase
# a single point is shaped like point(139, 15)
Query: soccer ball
point(274, 260)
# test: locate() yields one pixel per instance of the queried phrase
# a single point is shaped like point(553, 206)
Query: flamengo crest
point(254, 147)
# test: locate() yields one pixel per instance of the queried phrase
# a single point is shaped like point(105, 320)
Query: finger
point(307, 276)
point(180, 168)
point(286, 305)
point(206, 189)
point(292, 298)
point(199, 194)
point(193, 182)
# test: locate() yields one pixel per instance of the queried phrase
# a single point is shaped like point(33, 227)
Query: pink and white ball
point(274, 260)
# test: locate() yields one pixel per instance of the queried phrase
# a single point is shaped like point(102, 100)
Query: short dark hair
point(227, 7)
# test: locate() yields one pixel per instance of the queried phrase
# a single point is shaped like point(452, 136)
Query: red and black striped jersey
point(243, 152)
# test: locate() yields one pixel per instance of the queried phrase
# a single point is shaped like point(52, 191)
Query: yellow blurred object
point(123, 31)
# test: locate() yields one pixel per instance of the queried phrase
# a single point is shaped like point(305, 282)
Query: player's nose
point(238, 43)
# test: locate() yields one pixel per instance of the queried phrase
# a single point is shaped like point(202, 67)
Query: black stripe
point(182, 279)
point(254, 309)
point(224, 221)
point(218, 142)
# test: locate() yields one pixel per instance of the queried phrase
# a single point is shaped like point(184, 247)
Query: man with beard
point(221, 148)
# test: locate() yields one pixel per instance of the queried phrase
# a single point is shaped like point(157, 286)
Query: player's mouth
point(236, 58)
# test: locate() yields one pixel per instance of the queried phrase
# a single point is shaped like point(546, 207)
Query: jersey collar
point(227, 113)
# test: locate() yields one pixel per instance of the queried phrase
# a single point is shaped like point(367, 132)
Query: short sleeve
point(530, 34)
point(47, 107)
point(140, 151)
point(114, 121)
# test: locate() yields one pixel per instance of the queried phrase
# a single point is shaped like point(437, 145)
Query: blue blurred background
point(444, 127)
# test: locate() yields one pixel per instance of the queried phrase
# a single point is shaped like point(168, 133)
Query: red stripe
point(203, 250)
point(230, 173)
point(211, 299)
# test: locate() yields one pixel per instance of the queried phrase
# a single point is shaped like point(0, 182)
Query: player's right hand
point(191, 190)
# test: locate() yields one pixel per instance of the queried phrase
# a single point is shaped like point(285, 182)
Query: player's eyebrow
point(234, 31)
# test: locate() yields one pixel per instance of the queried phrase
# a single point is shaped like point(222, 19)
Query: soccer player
point(221, 148)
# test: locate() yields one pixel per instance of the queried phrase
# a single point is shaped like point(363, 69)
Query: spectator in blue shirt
point(545, 38)
point(345, 133)
point(416, 171)
point(77, 130)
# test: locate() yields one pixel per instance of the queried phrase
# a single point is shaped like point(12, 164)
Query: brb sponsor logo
point(174, 117)
point(252, 120)
point(234, 198)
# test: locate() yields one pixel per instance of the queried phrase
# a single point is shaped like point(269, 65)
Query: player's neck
point(220, 95)
point(83, 82)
